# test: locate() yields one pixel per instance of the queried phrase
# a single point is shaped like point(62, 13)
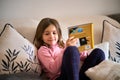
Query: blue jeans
point(71, 62)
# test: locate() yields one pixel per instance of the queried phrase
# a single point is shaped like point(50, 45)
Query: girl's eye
point(46, 33)
point(54, 32)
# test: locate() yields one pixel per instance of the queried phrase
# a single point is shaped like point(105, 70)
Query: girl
point(59, 60)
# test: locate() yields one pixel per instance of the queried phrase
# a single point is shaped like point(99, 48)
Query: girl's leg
point(70, 64)
point(95, 57)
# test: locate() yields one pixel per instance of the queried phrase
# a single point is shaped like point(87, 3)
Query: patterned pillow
point(17, 54)
point(111, 34)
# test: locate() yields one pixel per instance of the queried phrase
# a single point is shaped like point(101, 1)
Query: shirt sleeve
point(52, 64)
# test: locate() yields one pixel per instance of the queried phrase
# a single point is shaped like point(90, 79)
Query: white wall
point(56, 8)
point(67, 12)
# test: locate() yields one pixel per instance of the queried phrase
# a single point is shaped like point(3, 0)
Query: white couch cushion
point(17, 54)
point(106, 70)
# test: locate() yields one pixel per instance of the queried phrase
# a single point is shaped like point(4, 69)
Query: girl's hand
point(72, 41)
point(83, 55)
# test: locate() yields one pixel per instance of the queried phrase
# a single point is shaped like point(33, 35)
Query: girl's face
point(50, 35)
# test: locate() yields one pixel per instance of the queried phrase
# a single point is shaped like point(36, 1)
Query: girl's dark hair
point(44, 23)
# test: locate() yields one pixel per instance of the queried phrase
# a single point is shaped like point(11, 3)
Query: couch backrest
point(27, 27)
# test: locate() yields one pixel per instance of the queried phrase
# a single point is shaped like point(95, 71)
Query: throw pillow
point(17, 54)
point(111, 34)
point(105, 47)
point(106, 70)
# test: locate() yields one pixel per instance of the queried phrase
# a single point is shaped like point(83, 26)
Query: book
point(85, 35)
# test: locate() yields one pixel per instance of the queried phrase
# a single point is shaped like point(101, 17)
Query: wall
point(56, 8)
point(67, 12)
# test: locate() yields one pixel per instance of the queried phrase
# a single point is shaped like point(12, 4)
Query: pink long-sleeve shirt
point(51, 60)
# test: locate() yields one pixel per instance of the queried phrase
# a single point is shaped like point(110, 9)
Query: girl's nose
point(51, 35)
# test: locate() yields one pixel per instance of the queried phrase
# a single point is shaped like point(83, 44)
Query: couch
point(18, 59)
